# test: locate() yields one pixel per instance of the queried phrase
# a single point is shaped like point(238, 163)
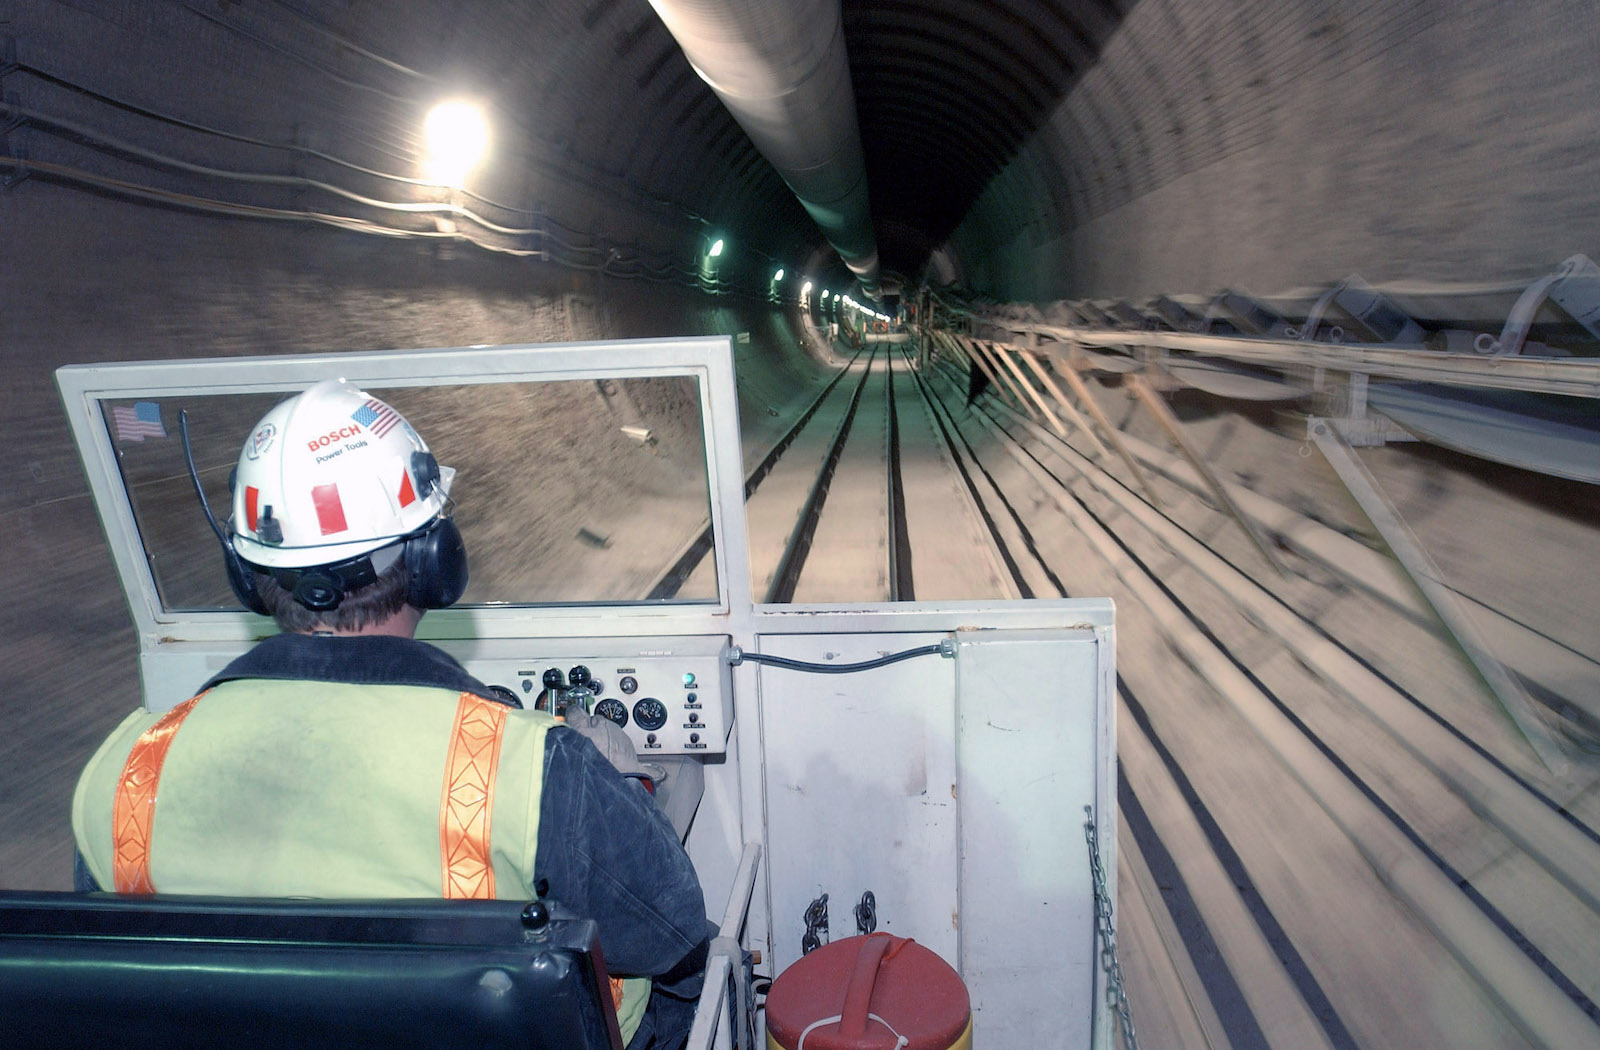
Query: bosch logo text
point(333, 437)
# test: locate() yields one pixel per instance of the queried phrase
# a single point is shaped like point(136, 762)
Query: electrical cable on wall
point(599, 256)
point(612, 267)
point(279, 49)
point(345, 44)
point(625, 189)
point(423, 207)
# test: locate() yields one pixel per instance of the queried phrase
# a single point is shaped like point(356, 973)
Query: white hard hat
point(331, 474)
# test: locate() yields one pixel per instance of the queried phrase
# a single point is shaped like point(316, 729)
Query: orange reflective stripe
point(467, 801)
point(133, 812)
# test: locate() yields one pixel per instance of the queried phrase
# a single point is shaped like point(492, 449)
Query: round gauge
point(628, 683)
point(506, 696)
point(650, 713)
point(613, 709)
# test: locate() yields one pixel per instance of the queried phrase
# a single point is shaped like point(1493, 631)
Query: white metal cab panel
point(600, 493)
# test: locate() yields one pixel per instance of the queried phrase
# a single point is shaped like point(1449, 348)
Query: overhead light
point(778, 276)
point(824, 293)
point(457, 138)
point(807, 289)
point(716, 249)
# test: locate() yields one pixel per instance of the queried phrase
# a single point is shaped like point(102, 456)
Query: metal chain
point(1116, 997)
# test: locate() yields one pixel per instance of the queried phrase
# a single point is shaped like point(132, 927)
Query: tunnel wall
point(1270, 146)
point(104, 280)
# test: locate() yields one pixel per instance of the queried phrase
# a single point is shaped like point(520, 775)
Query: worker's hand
point(613, 743)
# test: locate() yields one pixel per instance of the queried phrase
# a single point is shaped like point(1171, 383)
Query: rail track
point(1315, 853)
point(1378, 761)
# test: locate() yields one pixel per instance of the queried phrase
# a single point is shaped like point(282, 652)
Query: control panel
point(671, 696)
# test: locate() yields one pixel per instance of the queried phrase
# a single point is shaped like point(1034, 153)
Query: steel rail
point(902, 585)
point(949, 432)
point(1238, 970)
point(1541, 1010)
point(1368, 570)
point(798, 546)
point(1563, 850)
point(1242, 918)
point(1132, 867)
point(683, 567)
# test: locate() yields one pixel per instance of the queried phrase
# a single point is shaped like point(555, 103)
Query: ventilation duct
point(781, 70)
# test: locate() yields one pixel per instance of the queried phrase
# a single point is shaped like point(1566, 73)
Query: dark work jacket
point(605, 850)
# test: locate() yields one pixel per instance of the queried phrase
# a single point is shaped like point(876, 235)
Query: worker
point(343, 758)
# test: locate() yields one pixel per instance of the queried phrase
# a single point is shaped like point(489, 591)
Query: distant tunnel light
point(824, 293)
point(716, 249)
point(457, 138)
point(807, 289)
point(778, 276)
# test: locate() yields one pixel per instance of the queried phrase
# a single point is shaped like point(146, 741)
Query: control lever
point(580, 691)
point(554, 685)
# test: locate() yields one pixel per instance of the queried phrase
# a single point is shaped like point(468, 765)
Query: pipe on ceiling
point(782, 71)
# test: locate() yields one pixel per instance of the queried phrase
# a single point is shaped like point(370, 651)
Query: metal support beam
point(1414, 559)
point(1219, 492)
point(956, 348)
point(1032, 360)
point(997, 378)
point(1572, 376)
point(1367, 307)
point(949, 344)
point(1246, 314)
point(1005, 355)
point(1174, 313)
point(1079, 387)
point(1575, 286)
point(1356, 423)
point(992, 355)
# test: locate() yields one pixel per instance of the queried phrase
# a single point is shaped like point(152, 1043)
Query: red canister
point(877, 992)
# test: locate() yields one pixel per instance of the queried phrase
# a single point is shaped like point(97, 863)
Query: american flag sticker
point(141, 421)
point(376, 416)
point(330, 510)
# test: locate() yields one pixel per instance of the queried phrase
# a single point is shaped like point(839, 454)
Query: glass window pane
point(567, 492)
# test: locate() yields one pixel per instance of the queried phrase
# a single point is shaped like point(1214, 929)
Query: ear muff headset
point(437, 562)
point(435, 558)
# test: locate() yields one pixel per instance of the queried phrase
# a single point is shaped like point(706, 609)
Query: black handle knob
point(578, 676)
point(553, 680)
point(536, 916)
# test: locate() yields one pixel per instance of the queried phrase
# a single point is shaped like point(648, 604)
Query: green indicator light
point(688, 680)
